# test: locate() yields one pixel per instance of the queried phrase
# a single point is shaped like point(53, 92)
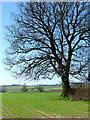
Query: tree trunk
point(65, 85)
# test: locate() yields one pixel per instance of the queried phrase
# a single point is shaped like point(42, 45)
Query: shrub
point(24, 88)
point(40, 88)
point(80, 93)
point(4, 89)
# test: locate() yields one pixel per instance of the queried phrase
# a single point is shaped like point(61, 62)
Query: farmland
point(35, 104)
point(15, 89)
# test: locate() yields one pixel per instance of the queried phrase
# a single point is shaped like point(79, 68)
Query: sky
point(6, 8)
point(6, 77)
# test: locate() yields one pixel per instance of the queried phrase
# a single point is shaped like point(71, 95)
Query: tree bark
point(65, 85)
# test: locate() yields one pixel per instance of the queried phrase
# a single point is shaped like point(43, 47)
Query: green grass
point(41, 104)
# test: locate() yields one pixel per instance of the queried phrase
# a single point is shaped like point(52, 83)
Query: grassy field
point(19, 105)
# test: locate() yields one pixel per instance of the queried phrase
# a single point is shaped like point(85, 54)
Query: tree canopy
point(48, 38)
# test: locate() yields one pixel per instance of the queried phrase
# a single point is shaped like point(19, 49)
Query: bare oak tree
point(48, 38)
